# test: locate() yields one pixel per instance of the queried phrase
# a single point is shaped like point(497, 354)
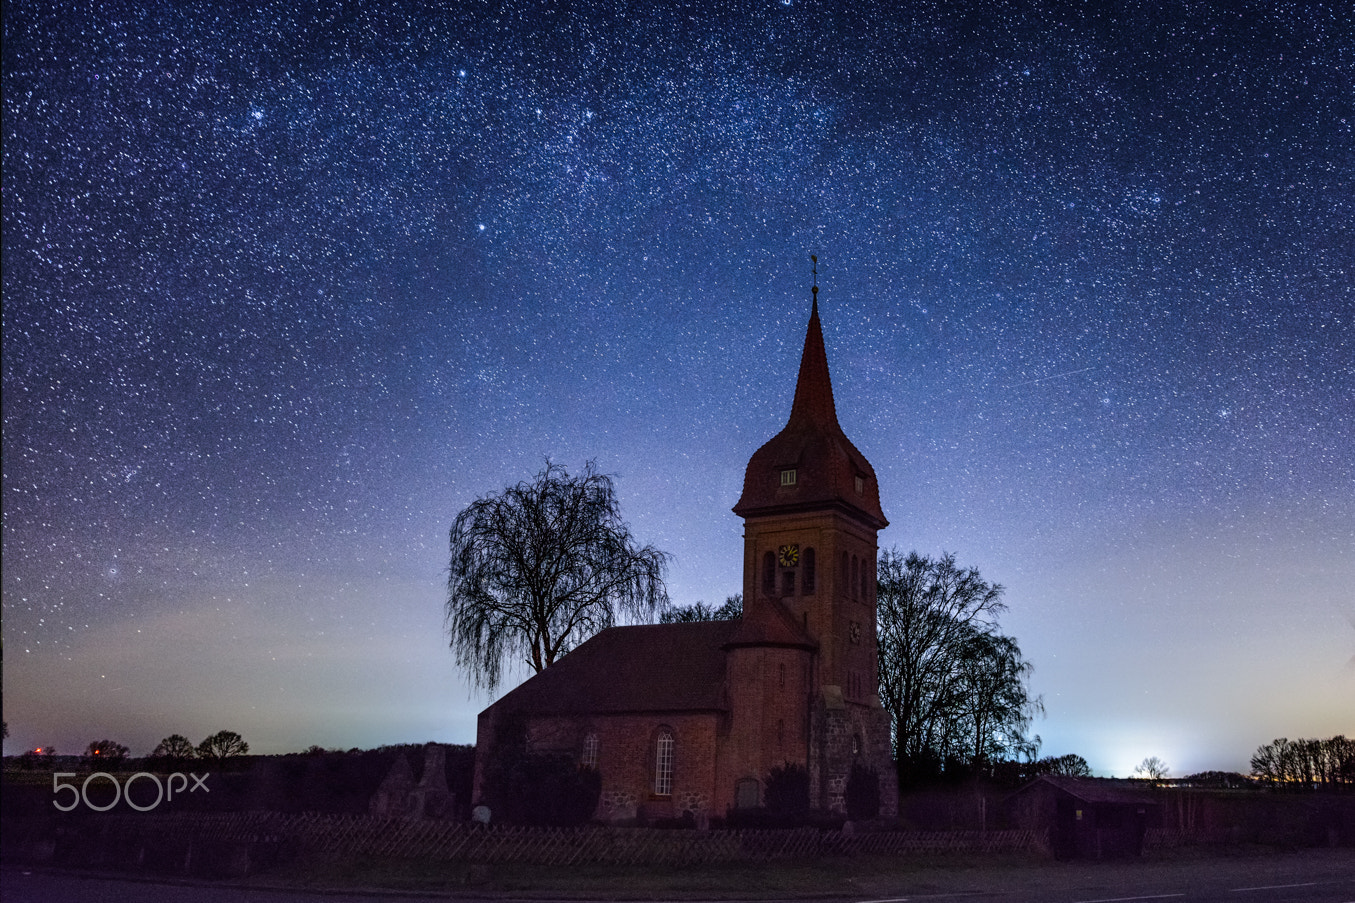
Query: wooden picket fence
point(344, 836)
point(1170, 838)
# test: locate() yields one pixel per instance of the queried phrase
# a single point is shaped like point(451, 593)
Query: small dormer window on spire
point(788, 476)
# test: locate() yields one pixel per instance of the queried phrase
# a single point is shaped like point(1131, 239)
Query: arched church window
point(865, 580)
point(787, 583)
point(589, 758)
point(769, 573)
point(807, 577)
point(856, 574)
point(846, 575)
point(663, 763)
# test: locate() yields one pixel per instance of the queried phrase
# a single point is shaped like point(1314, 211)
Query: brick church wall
point(627, 756)
point(768, 692)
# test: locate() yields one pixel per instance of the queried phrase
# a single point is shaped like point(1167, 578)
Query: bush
point(788, 790)
point(546, 790)
point(526, 788)
point(41, 757)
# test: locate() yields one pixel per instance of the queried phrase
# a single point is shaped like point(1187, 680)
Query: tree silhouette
point(105, 754)
point(174, 750)
point(788, 789)
point(221, 746)
point(731, 610)
point(1152, 768)
point(1071, 765)
point(542, 566)
point(992, 698)
point(863, 793)
point(1305, 763)
point(954, 686)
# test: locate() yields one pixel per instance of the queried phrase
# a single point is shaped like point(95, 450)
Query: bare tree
point(1152, 768)
point(221, 746)
point(175, 746)
point(105, 754)
point(1265, 763)
point(1070, 764)
point(1305, 763)
point(953, 685)
point(993, 701)
point(173, 752)
point(542, 566)
point(732, 610)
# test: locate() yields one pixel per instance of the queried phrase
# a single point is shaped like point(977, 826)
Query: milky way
point(284, 290)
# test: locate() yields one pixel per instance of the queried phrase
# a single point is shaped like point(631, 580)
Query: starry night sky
point(285, 290)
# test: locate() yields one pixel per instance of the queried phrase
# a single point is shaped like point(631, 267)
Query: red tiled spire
point(813, 405)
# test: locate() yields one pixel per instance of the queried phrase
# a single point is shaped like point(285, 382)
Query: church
point(691, 718)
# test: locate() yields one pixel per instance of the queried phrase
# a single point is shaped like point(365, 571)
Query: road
point(1328, 877)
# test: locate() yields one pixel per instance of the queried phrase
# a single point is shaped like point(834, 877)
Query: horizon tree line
point(1321, 764)
point(217, 748)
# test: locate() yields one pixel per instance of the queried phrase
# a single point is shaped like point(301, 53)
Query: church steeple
point(813, 402)
point(811, 463)
point(811, 519)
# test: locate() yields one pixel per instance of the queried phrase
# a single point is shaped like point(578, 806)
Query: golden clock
point(790, 556)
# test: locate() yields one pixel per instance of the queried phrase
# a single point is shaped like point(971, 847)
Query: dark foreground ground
point(1238, 875)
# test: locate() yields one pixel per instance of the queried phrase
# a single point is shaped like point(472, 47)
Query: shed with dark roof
point(1086, 818)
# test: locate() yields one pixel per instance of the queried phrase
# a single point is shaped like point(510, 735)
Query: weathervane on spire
point(815, 258)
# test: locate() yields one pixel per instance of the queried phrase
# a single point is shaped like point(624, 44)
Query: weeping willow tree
point(541, 566)
point(954, 685)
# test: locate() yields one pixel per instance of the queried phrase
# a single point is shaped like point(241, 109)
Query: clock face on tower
point(790, 556)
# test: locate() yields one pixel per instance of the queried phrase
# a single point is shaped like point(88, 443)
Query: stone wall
point(842, 734)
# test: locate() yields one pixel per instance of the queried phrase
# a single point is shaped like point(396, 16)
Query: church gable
point(777, 628)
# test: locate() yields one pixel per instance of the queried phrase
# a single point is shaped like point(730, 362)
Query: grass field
point(859, 878)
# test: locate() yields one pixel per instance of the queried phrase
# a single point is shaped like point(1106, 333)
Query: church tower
point(811, 511)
